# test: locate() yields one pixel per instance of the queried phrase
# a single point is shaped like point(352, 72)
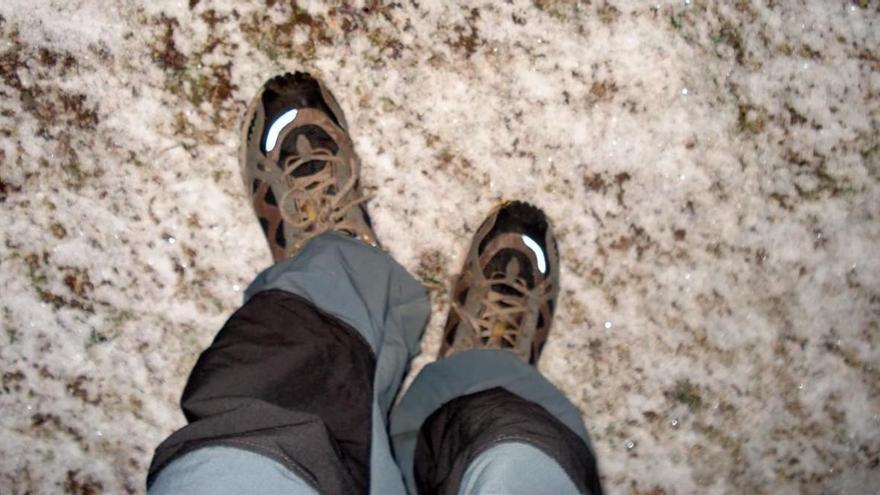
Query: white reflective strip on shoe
point(539, 253)
point(275, 130)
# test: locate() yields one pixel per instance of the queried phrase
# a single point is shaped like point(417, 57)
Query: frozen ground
point(713, 169)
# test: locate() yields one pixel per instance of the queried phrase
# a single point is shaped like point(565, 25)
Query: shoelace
point(323, 211)
point(498, 320)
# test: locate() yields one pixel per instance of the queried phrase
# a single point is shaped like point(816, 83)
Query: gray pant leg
point(228, 471)
point(515, 469)
point(473, 372)
point(365, 288)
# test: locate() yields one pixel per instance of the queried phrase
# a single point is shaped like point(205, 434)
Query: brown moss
point(594, 182)
point(76, 388)
point(11, 381)
point(275, 39)
point(58, 230)
point(75, 484)
point(602, 90)
point(467, 37)
point(11, 60)
point(432, 269)
point(165, 53)
point(685, 392)
point(6, 189)
point(608, 13)
point(78, 282)
point(602, 183)
point(751, 119)
point(730, 36)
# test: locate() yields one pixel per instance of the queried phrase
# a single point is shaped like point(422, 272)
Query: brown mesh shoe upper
point(299, 165)
point(506, 293)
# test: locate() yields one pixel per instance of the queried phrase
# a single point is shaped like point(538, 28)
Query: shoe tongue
point(513, 264)
point(512, 268)
point(303, 141)
point(303, 147)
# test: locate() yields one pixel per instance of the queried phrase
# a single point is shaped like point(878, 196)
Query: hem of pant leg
point(254, 448)
point(449, 378)
point(504, 439)
point(284, 302)
point(407, 305)
point(540, 447)
point(452, 438)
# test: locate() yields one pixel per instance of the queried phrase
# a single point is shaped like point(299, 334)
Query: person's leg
point(482, 419)
point(228, 471)
point(449, 429)
point(293, 394)
point(305, 372)
point(514, 469)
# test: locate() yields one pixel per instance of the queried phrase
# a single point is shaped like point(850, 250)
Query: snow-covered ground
point(712, 167)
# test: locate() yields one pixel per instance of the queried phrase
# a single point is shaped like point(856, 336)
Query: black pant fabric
point(465, 427)
point(288, 381)
point(285, 380)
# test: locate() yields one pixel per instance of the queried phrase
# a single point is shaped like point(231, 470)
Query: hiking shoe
point(299, 165)
point(505, 295)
